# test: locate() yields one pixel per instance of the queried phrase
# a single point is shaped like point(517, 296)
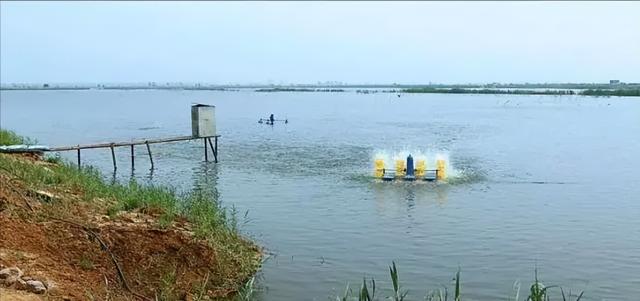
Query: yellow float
point(418, 171)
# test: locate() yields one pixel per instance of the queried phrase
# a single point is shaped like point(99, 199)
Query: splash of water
point(430, 157)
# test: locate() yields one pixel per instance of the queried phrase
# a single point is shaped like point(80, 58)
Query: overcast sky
point(307, 42)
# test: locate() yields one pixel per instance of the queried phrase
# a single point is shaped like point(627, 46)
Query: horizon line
point(323, 83)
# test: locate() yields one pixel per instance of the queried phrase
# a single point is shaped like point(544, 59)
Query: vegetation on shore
point(70, 190)
point(607, 92)
point(8, 137)
point(201, 208)
point(475, 90)
point(488, 91)
point(367, 291)
point(589, 92)
point(297, 90)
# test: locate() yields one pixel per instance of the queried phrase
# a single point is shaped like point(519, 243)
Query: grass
point(55, 159)
point(442, 294)
point(8, 137)
point(537, 291)
point(167, 286)
point(203, 210)
point(397, 294)
point(247, 291)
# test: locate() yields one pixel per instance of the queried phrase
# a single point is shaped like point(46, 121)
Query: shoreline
point(83, 238)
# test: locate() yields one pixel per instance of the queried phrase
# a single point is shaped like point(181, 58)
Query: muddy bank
point(72, 245)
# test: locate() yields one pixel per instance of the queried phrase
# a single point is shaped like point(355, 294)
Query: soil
point(48, 243)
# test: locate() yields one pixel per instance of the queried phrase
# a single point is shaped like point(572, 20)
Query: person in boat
point(271, 119)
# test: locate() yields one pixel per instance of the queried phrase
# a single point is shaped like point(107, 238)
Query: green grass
point(167, 290)
point(203, 210)
point(442, 294)
point(247, 291)
point(8, 137)
point(537, 291)
point(397, 294)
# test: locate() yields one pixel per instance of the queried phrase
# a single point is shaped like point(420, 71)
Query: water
point(546, 181)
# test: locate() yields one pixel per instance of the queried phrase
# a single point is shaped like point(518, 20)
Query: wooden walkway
point(112, 145)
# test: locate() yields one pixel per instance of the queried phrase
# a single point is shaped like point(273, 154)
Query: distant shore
point(588, 92)
point(587, 89)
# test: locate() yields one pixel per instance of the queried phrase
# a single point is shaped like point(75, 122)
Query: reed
point(537, 291)
point(397, 294)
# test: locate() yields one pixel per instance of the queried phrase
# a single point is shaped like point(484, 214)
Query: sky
point(310, 42)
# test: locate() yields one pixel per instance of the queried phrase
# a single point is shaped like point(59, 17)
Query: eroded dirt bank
point(57, 245)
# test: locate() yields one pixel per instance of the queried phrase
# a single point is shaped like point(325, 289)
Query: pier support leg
point(206, 152)
point(149, 151)
point(113, 157)
point(78, 156)
point(133, 162)
point(215, 149)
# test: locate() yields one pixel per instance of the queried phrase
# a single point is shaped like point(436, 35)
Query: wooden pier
point(112, 145)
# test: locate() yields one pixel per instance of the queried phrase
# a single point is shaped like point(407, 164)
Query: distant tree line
point(489, 91)
point(297, 90)
point(618, 92)
point(589, 92)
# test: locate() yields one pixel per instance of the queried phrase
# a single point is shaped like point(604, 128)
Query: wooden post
point(113, 157)
point(133, 163)
point(78, 156)
point(206, 152)
point(149, 151)
point(214, 150)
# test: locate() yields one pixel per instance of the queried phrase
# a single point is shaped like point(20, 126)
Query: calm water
point(540, 180)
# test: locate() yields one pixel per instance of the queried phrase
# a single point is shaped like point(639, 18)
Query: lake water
point(546, 181)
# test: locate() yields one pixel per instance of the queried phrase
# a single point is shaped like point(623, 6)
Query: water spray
point(409, 169)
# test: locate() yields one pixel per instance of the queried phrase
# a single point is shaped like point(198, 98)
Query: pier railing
point(112, 145)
